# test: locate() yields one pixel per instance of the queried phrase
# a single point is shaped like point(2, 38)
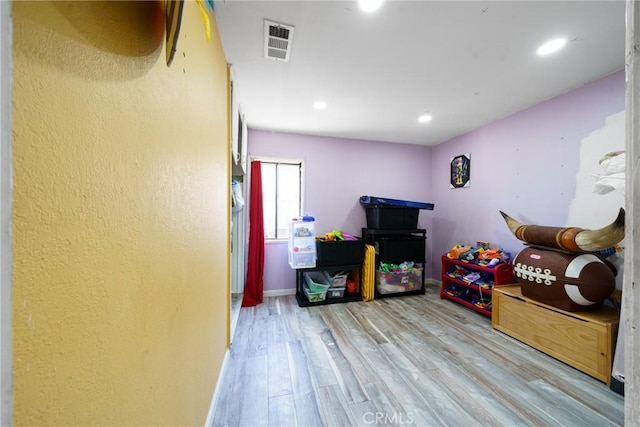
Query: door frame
point(6, 379)
point(631, 293)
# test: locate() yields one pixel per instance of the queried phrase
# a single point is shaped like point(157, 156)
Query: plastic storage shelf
point(471, 284)
point(333, 294)
point(396, 246)
point(301, 244)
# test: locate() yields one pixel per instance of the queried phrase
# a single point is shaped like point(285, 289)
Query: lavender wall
point(337, 172)
point(524, 165)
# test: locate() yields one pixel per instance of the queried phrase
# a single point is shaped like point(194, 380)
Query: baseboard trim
point(432, 282)
point(279, 292)
point(216, 392)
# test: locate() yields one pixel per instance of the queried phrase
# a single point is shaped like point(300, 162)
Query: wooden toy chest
point(584, 340)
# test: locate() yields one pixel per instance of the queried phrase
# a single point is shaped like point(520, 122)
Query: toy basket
point(337, 279)
point(316, 281)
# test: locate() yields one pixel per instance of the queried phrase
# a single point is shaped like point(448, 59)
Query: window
point(281, 196)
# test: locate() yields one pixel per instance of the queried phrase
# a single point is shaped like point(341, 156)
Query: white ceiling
point(467, 63)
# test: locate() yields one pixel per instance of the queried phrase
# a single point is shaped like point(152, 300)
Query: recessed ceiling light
point(551, 46)
point(319, 105)
point(425, 118)
point(370, 5)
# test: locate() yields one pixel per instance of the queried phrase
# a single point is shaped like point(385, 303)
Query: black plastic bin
point(399, 249)
point(392, 218)
point(339, 252)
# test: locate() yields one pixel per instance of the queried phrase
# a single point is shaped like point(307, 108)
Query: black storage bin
point(339, 252)
point(400, 249)
point(392, 218)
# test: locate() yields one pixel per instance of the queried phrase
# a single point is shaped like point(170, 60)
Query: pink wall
point(337, 172)
point(524, 165)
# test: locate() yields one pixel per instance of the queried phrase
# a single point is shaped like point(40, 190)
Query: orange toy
point(458, 250)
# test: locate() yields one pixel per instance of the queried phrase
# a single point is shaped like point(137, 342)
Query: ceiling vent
point(277, 40)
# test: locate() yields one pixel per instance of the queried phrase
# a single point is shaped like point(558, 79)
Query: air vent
point(277, 40)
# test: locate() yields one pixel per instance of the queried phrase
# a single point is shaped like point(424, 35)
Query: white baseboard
point(216, 392)
point(279, 292)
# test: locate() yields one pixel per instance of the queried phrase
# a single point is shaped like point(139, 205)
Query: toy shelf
point(470, 294)
point(471, 286)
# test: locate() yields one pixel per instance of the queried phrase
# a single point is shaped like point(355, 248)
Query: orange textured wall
point(120, 215)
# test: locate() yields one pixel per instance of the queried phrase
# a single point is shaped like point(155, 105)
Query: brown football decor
point(571, 239)
point(571, 282)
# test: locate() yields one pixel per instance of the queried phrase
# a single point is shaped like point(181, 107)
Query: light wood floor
point(414, 360)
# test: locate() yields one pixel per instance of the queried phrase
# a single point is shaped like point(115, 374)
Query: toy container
point(317, 296)
point(340, 252)
point(316, 281)
point(301, 243)
point(336, 279)
point(394, 282)
point(392, 218)
point(335, 292)
point(398, 249)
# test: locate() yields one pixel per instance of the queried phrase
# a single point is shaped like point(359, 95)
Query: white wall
point(589, 209)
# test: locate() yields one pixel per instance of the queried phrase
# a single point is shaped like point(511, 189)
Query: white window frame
point(266, 159)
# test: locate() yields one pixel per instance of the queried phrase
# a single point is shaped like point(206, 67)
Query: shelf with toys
point(335, 276)
point(321, 285)
point(399, 261)
point(470, 273)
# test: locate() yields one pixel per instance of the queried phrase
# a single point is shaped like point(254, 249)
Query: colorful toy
point(482, 304)
point(458, 250)
point(492, 257)
point(472, 277)
point(336, 235)
point(457, 272)
point(472, 254)
point(490, 254)
point(405, 267)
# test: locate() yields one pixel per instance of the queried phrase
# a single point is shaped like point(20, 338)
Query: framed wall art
point(460, 168)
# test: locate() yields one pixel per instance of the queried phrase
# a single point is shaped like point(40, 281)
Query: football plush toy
point(571, 282)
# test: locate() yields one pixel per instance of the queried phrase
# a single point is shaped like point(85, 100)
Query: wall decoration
point(460, 170)
point(173, 11)
point(205, 19)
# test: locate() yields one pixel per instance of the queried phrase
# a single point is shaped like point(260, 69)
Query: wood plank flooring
point(414, 360)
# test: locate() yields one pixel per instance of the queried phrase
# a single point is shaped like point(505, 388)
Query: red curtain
point(255, 268)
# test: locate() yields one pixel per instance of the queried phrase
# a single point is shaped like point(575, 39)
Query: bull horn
point(571, 239)
point(603, 238)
